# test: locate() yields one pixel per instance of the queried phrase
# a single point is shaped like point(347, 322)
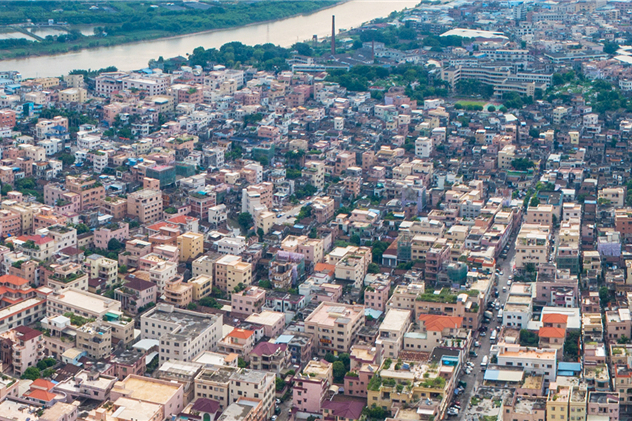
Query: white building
point(183, 334)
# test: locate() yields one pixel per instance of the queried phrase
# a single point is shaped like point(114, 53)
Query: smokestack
point(333, 34)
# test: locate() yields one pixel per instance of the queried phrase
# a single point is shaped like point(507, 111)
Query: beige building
point(614, 196)
point(505, 156)
point(335, 326)
point(532, 245)
point(391, 332)
point(191, 245)
point(314, 171)
point(264, 220)
point(202, 286)
point(95, 339)
point(351, 263)
point(146, 205)
point(73, 95)
point(311, 248)
point(541, 214)
point(404, 296)
point(230, 271)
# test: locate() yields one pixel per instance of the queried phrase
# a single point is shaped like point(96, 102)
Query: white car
point(468, 371)
point(508, 282)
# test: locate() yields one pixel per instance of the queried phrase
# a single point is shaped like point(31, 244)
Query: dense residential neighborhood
point(425, 218)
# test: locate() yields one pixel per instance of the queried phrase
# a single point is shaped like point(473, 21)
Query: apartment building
point(312, 249)
point(391, 332)
point(404, 297)
point(26, 347)
point(534, 360)
point(146, 205)
point(95, 340)
point(248, 301)
point(532, 245)
point(618, 324)
point(230, 271)
point(253, 384)
point(183, 334)
point(613, 195)
point(323, 209)
point(240, 342)
point(335, 326)
point(167, 394)
point(310, 386)
point(102, 268)
point(191, 245)
point(314, 171)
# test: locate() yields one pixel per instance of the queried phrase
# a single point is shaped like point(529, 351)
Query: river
point(283, 32)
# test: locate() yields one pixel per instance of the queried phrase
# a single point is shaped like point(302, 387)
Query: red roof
point(554, 318)
point(181, 219)
point(13, 280)
point(42, 384)
point(241, 333)
point(552, 332)
point(436, 323)
point(40, 395)
point(157, 226)
point(26, 333)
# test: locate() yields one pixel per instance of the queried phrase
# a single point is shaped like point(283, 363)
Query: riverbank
point(51, 48)
point(284, 33)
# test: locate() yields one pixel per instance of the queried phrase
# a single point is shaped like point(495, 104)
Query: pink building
point(311, 386)
point(376, 295)
point(273, 322)
point(118, 230)
point(269, 132)
point(603, 404)
point(330, 293)
point(356, 382)
point(248, 301)
point(27, 347)
point(136, 294)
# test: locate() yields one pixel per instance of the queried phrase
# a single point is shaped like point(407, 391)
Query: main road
point(286, 32)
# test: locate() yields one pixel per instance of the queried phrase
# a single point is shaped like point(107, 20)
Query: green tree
point(265, 283)
point(373, 268)
point(339, 371)
point(191, 306)
point(67, 159)
point(114, 245)
point(82, 229)
point(528, 338)
point(123, 269)
point(610, 47)
point(378, 248)
point(260, 233)
point(279, 384)
point(355, 239)
point(604, 296)
point(245, 221)
point(491, 109)
point(31, 373)
point(303, 49)
point(240, 287)
point(522, 164)
point(241, 363)
point(48, 373)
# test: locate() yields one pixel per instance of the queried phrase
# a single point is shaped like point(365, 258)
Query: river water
point(284, 32)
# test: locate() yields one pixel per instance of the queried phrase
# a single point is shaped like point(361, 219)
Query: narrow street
point(475, 379)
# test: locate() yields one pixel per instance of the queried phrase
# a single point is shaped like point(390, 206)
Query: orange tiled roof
point(13, 280)
point(325, 267)
point(436, 323)
point(40, 395)
point(552, 332)
point(554, 318)
point(41, 383)
point(181, 219)
point(241, 333)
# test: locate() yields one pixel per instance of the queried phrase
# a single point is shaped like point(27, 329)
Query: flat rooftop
point(149, 390)
point(191, 324)
point(395, 320)
point(91, 303)
point(332, 313)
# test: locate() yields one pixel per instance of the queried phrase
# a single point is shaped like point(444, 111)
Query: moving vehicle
point(473, 354)
point(485, 361)
point(493, 337)
point(281, 215)
point(500, 315)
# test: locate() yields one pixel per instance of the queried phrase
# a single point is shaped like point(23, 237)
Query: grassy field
point(465, 103)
